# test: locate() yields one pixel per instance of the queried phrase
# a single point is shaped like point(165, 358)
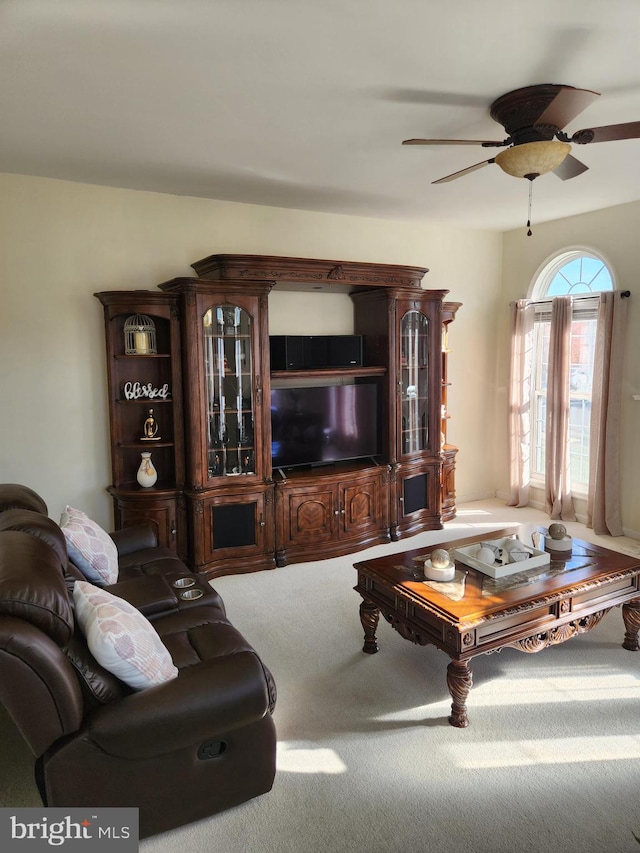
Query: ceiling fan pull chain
point(529, 231)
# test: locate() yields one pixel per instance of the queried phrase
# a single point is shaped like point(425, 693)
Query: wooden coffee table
point(477, 614)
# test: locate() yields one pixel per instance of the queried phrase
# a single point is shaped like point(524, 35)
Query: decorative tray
point(504, 563)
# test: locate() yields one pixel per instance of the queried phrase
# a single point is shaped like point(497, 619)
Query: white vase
point(147, 474)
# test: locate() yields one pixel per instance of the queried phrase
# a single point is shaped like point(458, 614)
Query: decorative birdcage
point(140, 335)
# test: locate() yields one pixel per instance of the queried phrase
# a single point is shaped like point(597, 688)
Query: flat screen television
point(323, 424)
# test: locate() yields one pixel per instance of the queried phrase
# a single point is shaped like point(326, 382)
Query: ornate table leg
point(369, 616)
point(459, 681)
point(631, 616)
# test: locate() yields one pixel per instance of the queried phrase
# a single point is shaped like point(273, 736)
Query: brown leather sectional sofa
point(181, 750)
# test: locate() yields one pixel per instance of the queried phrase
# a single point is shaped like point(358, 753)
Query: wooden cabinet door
point(165, 515)
point(226, 400)
point(361, 505)
point(232, 532)
point(414, 385)
point(227, 389)
point(326, 517)
point(309, 515)
point(418, 498)
point(419, 376)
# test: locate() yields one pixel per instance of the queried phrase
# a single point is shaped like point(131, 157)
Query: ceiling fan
point(534, 118)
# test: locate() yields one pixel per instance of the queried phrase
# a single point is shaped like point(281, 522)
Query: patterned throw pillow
point(121, 639)
point(90, 548)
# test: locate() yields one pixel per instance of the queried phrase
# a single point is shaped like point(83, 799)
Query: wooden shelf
point(315, 472)
point(143, 375)
point(137, 356)
point(146, 401)
point(329, 373)
point(132, 489)
point(145, 445)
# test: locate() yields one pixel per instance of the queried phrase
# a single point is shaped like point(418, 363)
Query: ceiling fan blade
point(570, 167)
point(608, 133)
point(462, 172)
point(566, 105)
point(486, 143)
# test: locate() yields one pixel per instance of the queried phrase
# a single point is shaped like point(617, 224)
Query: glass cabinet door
point(414, 382)
point(229, 393)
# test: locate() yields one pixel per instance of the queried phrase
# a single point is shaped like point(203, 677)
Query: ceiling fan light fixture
point(532, 159)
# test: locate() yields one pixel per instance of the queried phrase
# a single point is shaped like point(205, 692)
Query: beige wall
point(614, 233)
point(61, 242)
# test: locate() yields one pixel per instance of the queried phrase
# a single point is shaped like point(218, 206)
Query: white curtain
point(603, 502)
point(519, 390)
point(558, 499)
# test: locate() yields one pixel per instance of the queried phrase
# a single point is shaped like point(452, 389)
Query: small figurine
point(150, 428)
point(214, 470)
point(247, 462)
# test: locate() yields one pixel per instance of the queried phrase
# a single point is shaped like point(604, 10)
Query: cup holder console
point(183, 583)
point(190, 594)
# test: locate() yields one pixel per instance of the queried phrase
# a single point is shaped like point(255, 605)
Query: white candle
point(141, 342)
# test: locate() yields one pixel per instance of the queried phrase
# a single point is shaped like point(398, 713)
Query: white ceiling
point(305, 103)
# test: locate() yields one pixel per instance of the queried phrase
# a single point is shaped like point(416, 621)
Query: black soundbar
point(308, 352)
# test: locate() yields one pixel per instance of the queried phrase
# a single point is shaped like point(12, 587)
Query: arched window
point(575, 273)
point(581, 274)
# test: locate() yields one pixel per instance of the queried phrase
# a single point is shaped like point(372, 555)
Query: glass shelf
point(229, 391)
point(414, 382)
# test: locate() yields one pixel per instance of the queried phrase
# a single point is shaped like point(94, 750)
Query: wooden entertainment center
point(202, 378)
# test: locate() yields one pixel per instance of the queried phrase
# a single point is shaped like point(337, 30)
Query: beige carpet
point(366, 759)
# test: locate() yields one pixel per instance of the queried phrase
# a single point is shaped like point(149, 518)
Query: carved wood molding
point(558, 635)
point(405, 631)
point(551, 598)
point(287, 269)
point(277, 274)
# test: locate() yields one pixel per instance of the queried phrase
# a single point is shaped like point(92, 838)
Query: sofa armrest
point(131, 539)
point(150, 594)
point(206, 700)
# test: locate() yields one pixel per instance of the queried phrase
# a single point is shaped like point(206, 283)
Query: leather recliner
point(17, 496)
point(154, 593)
point(179, 751)
point(139, 553)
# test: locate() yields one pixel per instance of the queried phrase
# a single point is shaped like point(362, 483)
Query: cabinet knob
point(336, 512)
